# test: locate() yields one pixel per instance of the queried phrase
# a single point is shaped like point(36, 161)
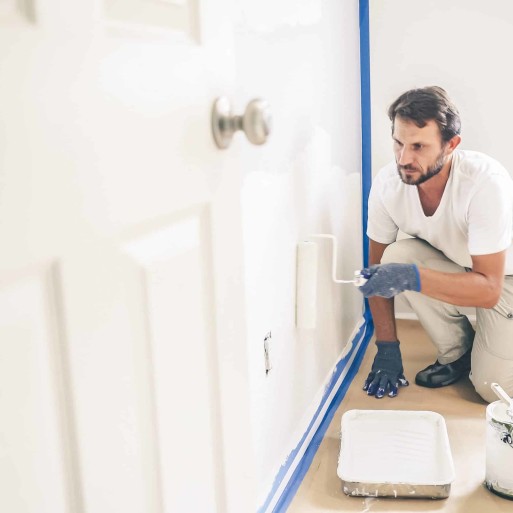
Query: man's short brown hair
point(422, 105)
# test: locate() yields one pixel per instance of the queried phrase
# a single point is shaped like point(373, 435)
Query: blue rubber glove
point(388, 280)
point(386, 372)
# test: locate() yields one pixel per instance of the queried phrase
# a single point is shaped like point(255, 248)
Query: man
point(457, 206)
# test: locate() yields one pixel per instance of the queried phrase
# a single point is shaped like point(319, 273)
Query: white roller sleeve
point(306, 285)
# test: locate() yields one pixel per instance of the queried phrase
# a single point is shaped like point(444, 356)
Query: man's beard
point(430, 172)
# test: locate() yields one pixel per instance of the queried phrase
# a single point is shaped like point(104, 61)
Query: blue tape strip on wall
point(365, 84)
point(366, 330)
point(303, 466)
point(343, 375)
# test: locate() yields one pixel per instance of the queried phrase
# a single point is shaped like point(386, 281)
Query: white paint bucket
point(499, 450)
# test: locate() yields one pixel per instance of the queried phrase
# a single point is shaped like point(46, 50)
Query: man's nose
point(404, 157)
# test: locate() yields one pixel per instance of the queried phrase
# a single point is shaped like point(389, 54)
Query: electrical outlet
point(267, 354)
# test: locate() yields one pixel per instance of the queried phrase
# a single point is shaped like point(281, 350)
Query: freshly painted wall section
point(304, 59)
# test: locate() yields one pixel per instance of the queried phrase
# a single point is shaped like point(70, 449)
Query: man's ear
point(452, 144)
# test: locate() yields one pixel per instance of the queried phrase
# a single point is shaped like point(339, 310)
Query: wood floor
point(464, 413)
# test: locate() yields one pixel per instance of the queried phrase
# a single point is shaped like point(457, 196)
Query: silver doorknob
point(255, 122)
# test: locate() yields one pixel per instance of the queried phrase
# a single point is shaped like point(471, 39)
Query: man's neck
point(432, 191)
point(435, 186)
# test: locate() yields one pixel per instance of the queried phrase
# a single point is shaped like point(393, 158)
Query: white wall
point(304, 59)
point(463, 46)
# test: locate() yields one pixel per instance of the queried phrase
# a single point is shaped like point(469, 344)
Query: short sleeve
point(490, 216)
point(380, 225)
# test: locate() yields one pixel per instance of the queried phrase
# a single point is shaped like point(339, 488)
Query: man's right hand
point(387, 371)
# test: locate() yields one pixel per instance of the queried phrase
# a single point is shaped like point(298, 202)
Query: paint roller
point(306, 280)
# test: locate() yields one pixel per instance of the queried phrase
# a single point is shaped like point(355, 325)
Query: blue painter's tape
point(365, 94)
point(311, 450)
point(366, 121)
point(346, 368)
point(293, 472)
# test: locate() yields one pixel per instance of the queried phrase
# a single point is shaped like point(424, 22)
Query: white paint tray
point(395, 453)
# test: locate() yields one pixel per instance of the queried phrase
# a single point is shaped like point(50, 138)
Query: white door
point(122, 358)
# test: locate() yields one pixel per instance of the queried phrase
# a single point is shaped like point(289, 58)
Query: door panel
point(106, 333)
point(175, 265)
point(181, 16)
point(124, 383)
point(32, 452)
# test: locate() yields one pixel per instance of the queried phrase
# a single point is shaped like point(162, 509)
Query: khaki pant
point(451, 331)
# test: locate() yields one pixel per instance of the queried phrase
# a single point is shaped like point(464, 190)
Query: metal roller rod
point(356, 280)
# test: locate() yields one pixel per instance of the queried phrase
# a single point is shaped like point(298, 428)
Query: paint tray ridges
point(395, 453)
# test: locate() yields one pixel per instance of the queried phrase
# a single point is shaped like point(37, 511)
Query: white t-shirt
point(475, 215)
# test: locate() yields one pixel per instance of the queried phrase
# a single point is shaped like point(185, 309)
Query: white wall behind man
point(463, 46)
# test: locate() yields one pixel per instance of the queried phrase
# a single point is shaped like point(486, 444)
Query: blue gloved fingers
point(380, 392)
point(368, 381)
point(403, 381)
point(374, 384)
point(378, 385)
point(367, 272)
point(372, 389)
point(369, 290)
point(383, 385)
point(393, 390)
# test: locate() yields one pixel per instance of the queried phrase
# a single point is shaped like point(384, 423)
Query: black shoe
point(438, 375)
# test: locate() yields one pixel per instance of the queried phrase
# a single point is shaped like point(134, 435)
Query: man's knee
point(484, 390)
point(403, 251)
point(419, 252)
point(482, 380)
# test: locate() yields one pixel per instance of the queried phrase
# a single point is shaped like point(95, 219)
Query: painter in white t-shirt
point(474, 217)
point(457, 208)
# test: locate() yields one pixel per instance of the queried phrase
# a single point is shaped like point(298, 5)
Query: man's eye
point(417, 147)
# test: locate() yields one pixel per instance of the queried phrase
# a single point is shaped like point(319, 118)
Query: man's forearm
point(382, 309)
point(384, 318)
point(462, 289)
